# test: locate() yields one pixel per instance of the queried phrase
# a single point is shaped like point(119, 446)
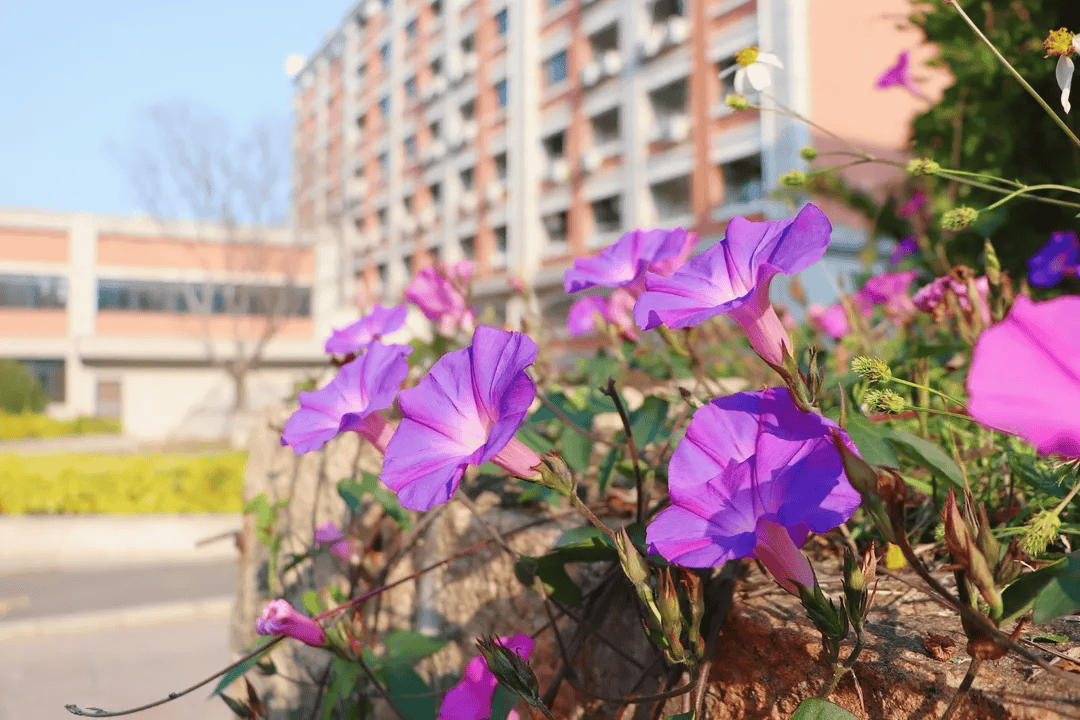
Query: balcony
point(467, 202)
point(607, 65)
point(433, 89)
point(557, 171)
point(433, 153)
point(465, 67)
point(670, 129)
point(673, 32)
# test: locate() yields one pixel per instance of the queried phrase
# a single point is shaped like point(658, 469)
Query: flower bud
point(633, 564)
point(737, 102)
point(511, 670)
point(1039, 532)
point(555, 475)
point(959, 218)
point(281, 618)
point(795, 178)
point(923, 166)
point(871, 369)
point(884, 401)
point(809, 153)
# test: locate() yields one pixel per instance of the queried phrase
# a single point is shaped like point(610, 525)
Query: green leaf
point(388, 499)
point(531, 492)
point(239, 708)
point(534, 440)
point(503, 702)
point(871, 441)
point(818, 709)
point(228, 678)
point(648, 420)
point(410, 695)
point(525, 570)
point(351, 492)
point(408, 646)
point(311, 603)
point(575, 449)
point(1061, 595)
point(583, 544)
point(926, 454)
point(343, 677)
point(689, 715)
point(1050, 638)
point(1017, 598)
point(557, 582)
point(607, 465)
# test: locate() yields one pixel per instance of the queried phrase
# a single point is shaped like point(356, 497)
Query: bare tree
point(187, 163)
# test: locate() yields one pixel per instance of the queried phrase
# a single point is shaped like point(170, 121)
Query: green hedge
point(121, 484)
point(29, 425)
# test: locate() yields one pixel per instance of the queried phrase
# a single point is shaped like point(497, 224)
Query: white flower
point(751, 69)
point(1064, 73)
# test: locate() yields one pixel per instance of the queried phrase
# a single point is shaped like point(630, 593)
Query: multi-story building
point(521, 133)
point(141, 320)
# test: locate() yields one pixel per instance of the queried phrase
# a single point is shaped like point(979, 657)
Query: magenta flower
point(830, 320)
point(931, 299)
point(350, 401)
point(1025, 375)
point(356, 337)
point(581, 318)
point(281, 618)
point(438, 295)
point(471, 698)
point(625, 262)
point(899, 75)
point(732, 277)
point(907, 246)
point(465, 412)
point(1060, 256)
point(890, 290)
point(915, 205)
point(753, 477)
point(329, 534)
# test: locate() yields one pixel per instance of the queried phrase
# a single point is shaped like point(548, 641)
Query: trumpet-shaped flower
point(351, 401)
point(625, 262)
point(471, 698)
point(438, 296)
point(1025, 375)
point(465, 412)
point(356, 337)
point(931, 298)
point(907, 246)
point(1060, 256)
point(581, 319)
point(732, 277)
point(752, 70)
point(831, 320)
point(753, 477)
point(329, 534)
point(915, 205)
point(281, 618)
point(899, 75)
point(890, 290)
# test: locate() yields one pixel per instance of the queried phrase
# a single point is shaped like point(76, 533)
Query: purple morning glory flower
point(581, 318)
point(464, 412)
point(890, 290)
point(907, 246)
point(915, 204)
point(1060, 256)
point(732, 277)
point(750, 464)
point(356, 337)
point(351, 401)
point(899, 75)
point(931, 298)
point(438, 294)
point(624, 262)
point(830, 320)
point(471, 698)
point(1025, 375)
point(329, 534)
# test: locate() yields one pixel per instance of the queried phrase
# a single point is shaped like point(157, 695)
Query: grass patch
point(121, 484)
point(30, 425)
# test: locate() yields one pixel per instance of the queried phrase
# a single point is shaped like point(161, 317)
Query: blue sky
point(75, 76)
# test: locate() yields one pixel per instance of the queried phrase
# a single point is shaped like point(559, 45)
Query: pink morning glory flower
point(1060, 256)
point(915, 205)
point(329, 534)
point(753, 477)
point(890, 290)
point(1025, 375)
point(350, 401)
point(830, 320)
point(931, 299)
point(438, 294)
point(899, 75)
point(471, 698)
point(907, 246)
point(356, 337)
point(732, 277)
point(281, 618)
point(581, 318)
point(464, 412)
point(624, 262)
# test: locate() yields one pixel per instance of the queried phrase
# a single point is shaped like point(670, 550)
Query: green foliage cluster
point(20, 391)
point(30, 425)
point(987, 123)
point(121, 484)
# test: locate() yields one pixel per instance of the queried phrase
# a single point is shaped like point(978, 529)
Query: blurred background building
point(169, 326)
point(519, 134)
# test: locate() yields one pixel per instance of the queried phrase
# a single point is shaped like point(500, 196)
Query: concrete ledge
point(51, 542)
point(123, 617)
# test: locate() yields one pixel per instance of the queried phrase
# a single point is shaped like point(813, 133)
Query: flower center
point(1059, 43)
point(749, 56)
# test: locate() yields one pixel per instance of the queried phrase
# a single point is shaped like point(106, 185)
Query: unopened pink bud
point(281, 618)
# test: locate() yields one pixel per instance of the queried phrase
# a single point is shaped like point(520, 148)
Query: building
point(138, 319)
point(521, 133)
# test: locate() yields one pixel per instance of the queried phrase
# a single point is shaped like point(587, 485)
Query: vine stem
point(1020, 78)
point(642, 500)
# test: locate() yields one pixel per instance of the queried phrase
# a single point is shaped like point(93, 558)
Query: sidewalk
point(56, 542)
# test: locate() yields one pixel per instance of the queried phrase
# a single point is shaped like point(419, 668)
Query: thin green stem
point(1067, 499)
point(944, 413)
point(917, 386)
point(1030, 188)
point(1020, 78)
point(580, 505)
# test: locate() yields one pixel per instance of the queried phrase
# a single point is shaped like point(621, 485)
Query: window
point(410, 31)
point(33, 291)
point(407, 203)
point(436, 8)
point(468, 110)
point(410, 87)
point(554, 3)
point(436, 67)
point(605, 40)
point(499, 257)
point(663, 9)
point(468, 177)
point(555, 144)
point(362, 70)
point(742, 180)
point(384, 54)
point(556, 224)
point(468, 44)
point(384, 163)
point(669, 99)
point(672, 197)
point(386, 3)
point(500, 166)
point(435, 129)
point(435, 193)
point(361, 121)
point(382, 216)
point(410, 146)
point(501, 91)
point(727, 82)
point(502, 21)
point(555, 68)
point(606, 214)
point(605, 126)
point(180, 297)
point(468, 247)
point(407, 261)
point(384, 107)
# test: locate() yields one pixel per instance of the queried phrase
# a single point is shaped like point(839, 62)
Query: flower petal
point(423, 466)
point(1064, 74)
point(758, 76)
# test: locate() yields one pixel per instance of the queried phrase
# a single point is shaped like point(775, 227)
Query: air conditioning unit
point(369, 10)
point(455, 140)
point(678, 30)
point(467, 201)
point(591, 74)
point(591, 160)
point(612, 63)
point(438, 83)
point(360, 186)
point(495, 191)
point(653, 42)
point(558, 171)
point(438, 148)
